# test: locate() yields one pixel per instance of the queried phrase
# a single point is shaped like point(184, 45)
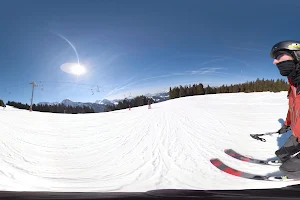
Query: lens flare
point(73, 68)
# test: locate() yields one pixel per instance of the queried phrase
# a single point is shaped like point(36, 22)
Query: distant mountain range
point(99, 105)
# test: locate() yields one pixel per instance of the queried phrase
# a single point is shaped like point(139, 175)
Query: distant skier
point(286, 55)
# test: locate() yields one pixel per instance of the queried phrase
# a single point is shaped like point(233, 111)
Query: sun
point(78, 69)
point(73, 68)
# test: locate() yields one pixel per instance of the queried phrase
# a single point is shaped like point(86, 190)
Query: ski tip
point(213, 159)
point(216, 162)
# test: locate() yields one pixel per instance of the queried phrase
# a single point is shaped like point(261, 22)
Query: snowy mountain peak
point(103, 101)
point(68, 102)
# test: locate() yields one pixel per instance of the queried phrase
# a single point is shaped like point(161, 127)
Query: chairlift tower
point(33, 85)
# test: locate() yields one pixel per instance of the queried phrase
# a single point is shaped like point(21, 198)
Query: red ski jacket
point(292, 118)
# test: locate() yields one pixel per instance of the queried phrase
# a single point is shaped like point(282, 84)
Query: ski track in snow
point(168, 146)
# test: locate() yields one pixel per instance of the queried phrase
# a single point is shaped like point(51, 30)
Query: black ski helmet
point(290, 46)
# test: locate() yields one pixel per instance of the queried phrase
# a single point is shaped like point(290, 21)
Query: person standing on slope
point(286, 55)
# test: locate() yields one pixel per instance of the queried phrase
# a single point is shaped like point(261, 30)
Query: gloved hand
point(284, 129)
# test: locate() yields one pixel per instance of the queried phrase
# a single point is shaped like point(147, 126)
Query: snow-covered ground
point(168, 146)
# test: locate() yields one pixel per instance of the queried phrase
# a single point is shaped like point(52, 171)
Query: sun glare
point(78, 69)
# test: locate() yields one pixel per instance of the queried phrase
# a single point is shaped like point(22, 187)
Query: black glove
point(284, 129)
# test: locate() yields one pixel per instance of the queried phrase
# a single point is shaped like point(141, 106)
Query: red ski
point(223, 167)
point(238, 156)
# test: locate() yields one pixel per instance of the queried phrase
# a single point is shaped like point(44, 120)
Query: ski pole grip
point(255, 136)
point(262, 139)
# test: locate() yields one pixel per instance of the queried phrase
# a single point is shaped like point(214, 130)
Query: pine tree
point(182, 92)
point(2, 103)
point(200, 89)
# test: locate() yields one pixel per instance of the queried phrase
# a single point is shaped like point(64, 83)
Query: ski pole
point(256, 136)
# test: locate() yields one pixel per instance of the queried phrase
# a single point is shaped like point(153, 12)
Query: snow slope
point(168, 146)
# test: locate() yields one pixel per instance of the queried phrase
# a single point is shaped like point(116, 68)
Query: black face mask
point(290, 69)
point(286, 67)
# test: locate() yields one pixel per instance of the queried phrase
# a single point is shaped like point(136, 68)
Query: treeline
point(124, 104)
point(2, 103)
point(252, 86)
point(59, 108)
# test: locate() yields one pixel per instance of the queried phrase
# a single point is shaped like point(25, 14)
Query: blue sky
point(136, 47)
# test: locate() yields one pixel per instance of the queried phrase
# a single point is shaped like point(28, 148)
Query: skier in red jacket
point(286, 55)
